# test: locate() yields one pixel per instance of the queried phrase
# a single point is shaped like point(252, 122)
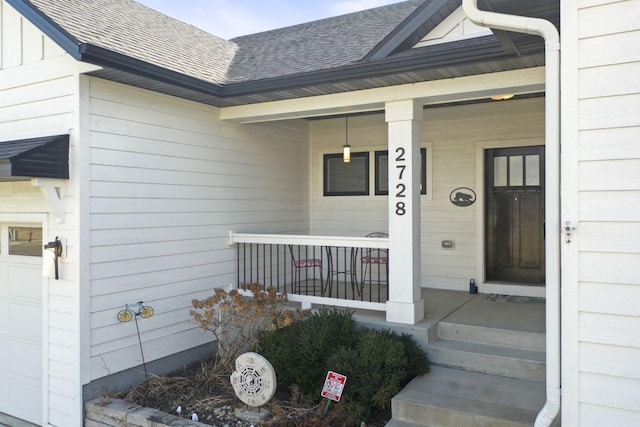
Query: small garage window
point(25, 241)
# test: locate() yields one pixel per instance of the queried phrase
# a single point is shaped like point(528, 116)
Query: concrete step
point(400, 423)
point(492, 335)
point(453, 397)
point(490, 359)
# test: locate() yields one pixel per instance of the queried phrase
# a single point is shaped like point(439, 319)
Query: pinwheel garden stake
point(132, 311)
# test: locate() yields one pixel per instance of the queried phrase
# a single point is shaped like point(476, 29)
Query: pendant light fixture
point(346, 148)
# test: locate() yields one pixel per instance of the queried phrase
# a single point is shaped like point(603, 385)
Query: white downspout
point(548, 31)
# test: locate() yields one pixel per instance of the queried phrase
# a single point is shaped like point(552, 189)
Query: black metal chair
point(374, 257)
point(301, 261)
point(341, 262)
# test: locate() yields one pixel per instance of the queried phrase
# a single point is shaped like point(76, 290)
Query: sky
point(232, 18)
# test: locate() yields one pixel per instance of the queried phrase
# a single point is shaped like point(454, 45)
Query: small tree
point(235, 317)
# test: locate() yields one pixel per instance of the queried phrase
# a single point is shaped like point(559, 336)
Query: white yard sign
point(333, 386)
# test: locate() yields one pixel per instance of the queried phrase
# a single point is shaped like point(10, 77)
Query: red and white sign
point(333, 386)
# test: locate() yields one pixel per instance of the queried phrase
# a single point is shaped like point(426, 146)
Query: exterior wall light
point(346, 148)
point(502, 97)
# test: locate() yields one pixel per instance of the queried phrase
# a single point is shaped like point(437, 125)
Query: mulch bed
point(208, 393)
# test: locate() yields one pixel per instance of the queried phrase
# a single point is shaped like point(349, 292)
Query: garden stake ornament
point(132, 311)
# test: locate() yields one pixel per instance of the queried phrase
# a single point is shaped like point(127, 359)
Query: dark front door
point(515, 215)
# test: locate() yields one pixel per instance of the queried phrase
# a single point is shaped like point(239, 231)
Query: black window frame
point(338, 157)
point(378, 167)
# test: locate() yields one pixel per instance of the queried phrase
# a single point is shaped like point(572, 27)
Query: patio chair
point(301, 262)
point(374, 257)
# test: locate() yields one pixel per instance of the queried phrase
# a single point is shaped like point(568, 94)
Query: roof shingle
point(134, 30)
point(319, 45)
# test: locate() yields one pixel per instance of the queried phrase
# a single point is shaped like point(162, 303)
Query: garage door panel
point(27, 409)
point(25, 359)
point(4, 353)
point(4, 280)
point(25, 282)
point(4, 317)
point(21, 328)
point(25, 321)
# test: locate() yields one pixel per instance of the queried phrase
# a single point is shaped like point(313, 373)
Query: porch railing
point(325, 270)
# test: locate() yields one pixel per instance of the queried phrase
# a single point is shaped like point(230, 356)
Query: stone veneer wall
point(108, 412)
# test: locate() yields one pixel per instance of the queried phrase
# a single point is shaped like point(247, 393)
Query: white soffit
point(455, 27)
point(528, 80)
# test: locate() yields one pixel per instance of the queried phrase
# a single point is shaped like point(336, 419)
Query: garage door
point(21, 321)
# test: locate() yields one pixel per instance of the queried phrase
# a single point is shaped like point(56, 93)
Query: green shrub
point(377, 363)
point(299, 352)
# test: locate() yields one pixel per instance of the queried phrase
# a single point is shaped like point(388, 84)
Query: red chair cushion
point(304, 263)
point(374, 260)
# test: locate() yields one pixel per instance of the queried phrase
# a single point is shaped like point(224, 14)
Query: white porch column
point(405, 304)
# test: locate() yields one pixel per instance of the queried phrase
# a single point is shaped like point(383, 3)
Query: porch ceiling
point(526, 81)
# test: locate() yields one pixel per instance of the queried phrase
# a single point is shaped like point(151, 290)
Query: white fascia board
point(433, 92)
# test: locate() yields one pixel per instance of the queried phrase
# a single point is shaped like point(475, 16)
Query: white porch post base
point(408, 313)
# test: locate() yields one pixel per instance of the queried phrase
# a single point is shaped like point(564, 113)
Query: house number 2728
point(401, 188)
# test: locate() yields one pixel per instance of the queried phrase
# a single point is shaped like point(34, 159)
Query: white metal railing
point(324, 270)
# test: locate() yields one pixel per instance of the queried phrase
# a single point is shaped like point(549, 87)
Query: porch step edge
point(448, 396)
point(495, 336)
point(490, 359)
point(394, 422)
point(434, 409)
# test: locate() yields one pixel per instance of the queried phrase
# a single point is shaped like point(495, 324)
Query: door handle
point(568, 229)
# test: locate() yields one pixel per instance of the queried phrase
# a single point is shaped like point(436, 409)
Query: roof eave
point(106, 58)
point(97, 55)
point(361, 70)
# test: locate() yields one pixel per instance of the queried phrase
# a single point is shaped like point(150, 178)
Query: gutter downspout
point(548, 31)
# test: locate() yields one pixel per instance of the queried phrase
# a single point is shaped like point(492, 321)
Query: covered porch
point(437, 247)
point(435, 148)
point(486, 349)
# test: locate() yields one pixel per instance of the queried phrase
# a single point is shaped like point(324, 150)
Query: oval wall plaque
point(462, 197)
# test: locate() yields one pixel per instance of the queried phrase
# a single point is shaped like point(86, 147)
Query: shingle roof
point(134, 30)
point(318, 45)
point(138, 46)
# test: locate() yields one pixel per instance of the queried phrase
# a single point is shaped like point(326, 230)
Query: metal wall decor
point(137, 309)
point(462, 197)
point(133, 311)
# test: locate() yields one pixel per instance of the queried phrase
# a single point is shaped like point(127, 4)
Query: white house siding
point(38, 97)
point(451, 135)
point(606, 378)
point(168, 183)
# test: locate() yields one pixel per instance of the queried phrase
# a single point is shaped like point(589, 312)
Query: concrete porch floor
point(515, 314)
